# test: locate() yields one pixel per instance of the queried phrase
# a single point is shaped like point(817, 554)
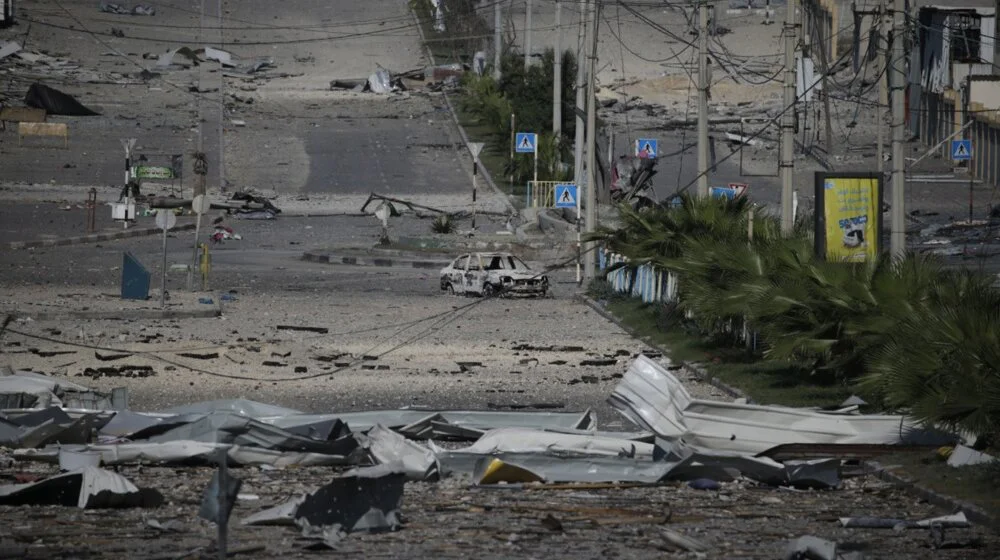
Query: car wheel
point(450, 289)
point(489, 290)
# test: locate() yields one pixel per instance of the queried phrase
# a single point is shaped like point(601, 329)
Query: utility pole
point(579, 86)
point(787, 163)
point(527, 35)
point(883, 94)
point(222, 107)
point(557, 79)
point(497, 43)
point(703, 85)
point(589, 259)
point(896, 63)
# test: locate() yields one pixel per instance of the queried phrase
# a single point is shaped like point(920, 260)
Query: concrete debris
point(86, 488)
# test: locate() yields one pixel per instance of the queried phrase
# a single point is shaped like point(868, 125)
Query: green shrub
point(443, 224)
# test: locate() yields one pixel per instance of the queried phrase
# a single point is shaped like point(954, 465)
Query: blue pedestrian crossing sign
point(525, 142)
point(565, 196)
point(961, 150)
point(646, 148)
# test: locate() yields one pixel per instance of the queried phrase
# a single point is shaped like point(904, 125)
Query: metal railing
point(652, 284)
point(541, 194)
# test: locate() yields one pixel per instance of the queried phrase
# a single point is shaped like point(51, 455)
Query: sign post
point(475, 148)
point(165, 219)
point(961, 150)
point(527, 143)
point(128, 144)
point(200, 205)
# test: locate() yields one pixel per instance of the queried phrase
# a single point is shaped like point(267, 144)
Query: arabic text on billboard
point(153, 172)
point(851, 208)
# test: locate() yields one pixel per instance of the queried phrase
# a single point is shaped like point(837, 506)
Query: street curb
point(374, 261)
point(454, 118)
point(94, 237)
point(974, 513)
point(211, 312)
point(693, 369)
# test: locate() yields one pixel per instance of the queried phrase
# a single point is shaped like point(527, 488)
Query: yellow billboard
point(848, 216)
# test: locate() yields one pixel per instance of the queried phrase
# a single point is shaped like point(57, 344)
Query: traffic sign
point(165, 219)
point(961, 150)
point(200, 204)
point(565, 196)
point(525, 142)
point(475, 148)
point(646, 148)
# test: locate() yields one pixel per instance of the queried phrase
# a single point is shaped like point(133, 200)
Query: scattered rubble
point(512, 450)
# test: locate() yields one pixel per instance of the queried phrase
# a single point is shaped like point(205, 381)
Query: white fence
point(651, 283)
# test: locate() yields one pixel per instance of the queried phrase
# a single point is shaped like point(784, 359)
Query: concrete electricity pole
point(897, 87)
point(557, 78)
point(703, 85)
point(787, 163)
point(581, 86)
point(589, 259)
point(883, 94)
point(527, 35)
point(497, 43)
point(222, 107)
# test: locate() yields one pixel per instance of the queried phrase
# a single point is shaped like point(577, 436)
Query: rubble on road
point(385, 451)
point(120, 9)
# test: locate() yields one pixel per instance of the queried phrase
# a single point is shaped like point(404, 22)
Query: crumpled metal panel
point(365, 499)
point(91, 487)
point(526, 440)
point(186, 453)
point(654, 399)
point(27, 389)
point(474, 423)
point(243, 407)
point(570, 468)
point(387, 447)
point(232, 428)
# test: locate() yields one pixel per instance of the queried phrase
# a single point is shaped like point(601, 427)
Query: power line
point(440, 320)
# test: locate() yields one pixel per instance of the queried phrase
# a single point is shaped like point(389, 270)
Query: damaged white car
point(491, 274)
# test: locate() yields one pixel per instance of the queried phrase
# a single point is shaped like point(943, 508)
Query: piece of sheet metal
point(387, 447)
point(186, 453)
point(90, 487)
point(655, 400)
point(526, 440)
